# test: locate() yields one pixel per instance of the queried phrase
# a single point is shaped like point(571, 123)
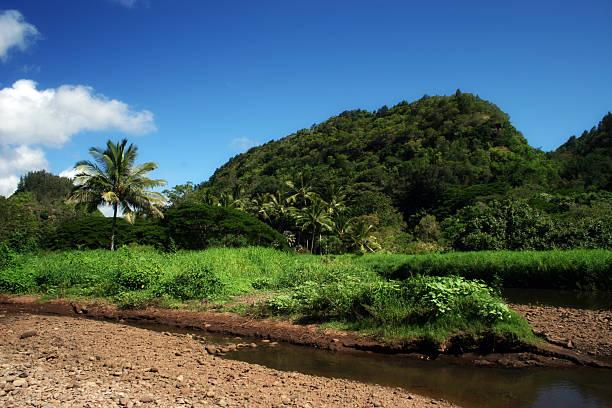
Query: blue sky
point(193, 83)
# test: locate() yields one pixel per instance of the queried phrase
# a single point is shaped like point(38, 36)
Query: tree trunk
point(314, 233)
point(112, 246)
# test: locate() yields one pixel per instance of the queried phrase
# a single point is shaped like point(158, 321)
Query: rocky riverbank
point(586, 331)
point(61, 361)
point(590, 329)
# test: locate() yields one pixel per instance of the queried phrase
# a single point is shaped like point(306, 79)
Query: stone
point(20, 382)
point(147, 398)
point(180, 378)
point(29, 333)
point(123, 401)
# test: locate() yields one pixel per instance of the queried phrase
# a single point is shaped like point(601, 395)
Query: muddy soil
point(586, 331)
point(61, 361)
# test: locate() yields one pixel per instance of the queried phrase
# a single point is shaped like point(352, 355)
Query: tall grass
point(430, 296)
point(574, 270)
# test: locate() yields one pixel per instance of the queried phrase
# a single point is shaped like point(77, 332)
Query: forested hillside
point(34, 210)
point(407, 156)
point(441, 173)
point(586, 161)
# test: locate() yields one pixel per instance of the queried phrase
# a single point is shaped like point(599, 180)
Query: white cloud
point(52, 116)
point(15, 33)
point(18, 161)
point(242, 144)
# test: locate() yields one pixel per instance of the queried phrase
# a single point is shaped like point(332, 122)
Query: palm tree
point(301, 191)
point(114, 180)
point(361, 234)
point(315, 217)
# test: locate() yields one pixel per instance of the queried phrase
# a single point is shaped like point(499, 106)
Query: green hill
point(407, 156)
point(586, 161)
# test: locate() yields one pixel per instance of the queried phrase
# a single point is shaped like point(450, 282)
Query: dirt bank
point(61, 361)
point(489, 350)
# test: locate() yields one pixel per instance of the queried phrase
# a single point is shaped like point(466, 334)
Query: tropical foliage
point(114, 179)
point(442, 173)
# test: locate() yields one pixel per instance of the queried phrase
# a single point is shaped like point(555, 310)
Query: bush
point(94, 233)
point(444, 305)
point(191, 282)
point(138, 299)
point(199, 226)
point(7, 256)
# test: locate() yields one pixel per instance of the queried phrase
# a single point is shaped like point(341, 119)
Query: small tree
point(114, 180)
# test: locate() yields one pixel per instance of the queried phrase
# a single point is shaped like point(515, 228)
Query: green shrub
point(137, 299)
point(445, 305)
point(199, 226)
point(192, 281)
point(7, 256)
point(94, 233)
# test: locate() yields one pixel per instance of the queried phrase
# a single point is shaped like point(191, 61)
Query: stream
point(466, 385)
point(559, 298)
point(444, 378)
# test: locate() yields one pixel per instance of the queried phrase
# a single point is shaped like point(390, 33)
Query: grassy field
point(393, 296)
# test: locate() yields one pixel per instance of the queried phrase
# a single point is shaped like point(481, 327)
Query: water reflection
point(559, 298)
point(465, 385)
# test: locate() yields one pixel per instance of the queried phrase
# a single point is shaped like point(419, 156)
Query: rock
point(180, 378)
point(23, 375)
point(147, 399)
point(570, 344)
point(252, 345)
point(153, 370)
point(29, 333)
point(210, 349)
point(210, 394)
point(20, 382)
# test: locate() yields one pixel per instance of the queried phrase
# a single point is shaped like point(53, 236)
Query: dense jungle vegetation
point(440, 174)
point(423, 185)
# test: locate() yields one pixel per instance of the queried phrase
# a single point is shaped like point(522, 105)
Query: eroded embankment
point(489, 350)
